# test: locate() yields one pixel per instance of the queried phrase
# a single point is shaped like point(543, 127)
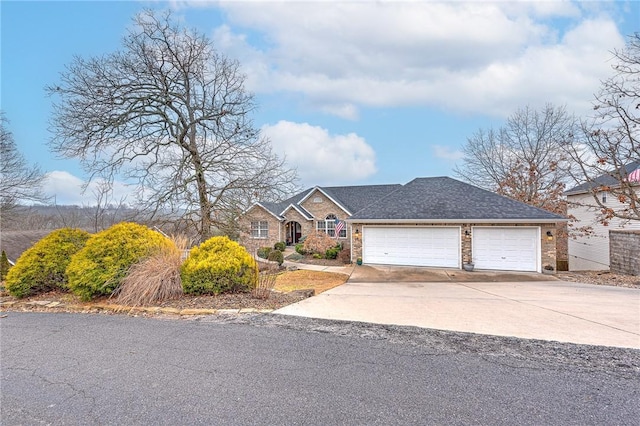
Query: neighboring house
point(437, 222)
point(590, 251)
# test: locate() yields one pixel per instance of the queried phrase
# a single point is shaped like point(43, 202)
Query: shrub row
point(96, 265)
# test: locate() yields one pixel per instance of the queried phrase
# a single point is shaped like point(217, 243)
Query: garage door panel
point(412, 246)
point(509, 249)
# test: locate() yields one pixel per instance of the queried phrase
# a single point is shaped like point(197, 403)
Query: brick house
point(436, 222)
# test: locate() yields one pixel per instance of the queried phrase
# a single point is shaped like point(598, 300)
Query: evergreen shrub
point(99, 268)
point(42, 267)
point(219, 265)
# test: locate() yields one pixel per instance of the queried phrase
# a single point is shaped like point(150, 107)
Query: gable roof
point(443, 199)
point(349, 198)
point(603, 180)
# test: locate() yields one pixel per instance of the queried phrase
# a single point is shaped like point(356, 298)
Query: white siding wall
point(592, 252)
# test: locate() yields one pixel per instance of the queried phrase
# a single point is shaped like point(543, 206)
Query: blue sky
point(353, 93)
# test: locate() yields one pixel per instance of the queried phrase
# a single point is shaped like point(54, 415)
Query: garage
point(506, 249)
point(412, 246)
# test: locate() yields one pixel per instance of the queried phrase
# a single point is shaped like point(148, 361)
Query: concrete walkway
point(547, 310)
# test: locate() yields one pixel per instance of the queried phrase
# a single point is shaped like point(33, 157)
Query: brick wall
point(275, 231)
point(624, 252)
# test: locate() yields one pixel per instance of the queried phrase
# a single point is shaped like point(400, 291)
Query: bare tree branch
point(172, 114)
point(19, 183)
point(607, 149)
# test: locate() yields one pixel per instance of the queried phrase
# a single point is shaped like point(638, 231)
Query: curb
point(49, 305)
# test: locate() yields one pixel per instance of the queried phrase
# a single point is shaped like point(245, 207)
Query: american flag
point(634, 176)
point(339, 226)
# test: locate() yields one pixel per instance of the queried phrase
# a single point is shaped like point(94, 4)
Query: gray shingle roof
point(353, 198)
point(602, 180)
point(443, 198)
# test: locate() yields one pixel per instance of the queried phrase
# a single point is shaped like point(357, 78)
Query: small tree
point(4, 266)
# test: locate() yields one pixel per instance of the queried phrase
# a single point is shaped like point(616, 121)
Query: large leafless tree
point(607, 149)
point(522, 159)
point(20, 183)
point(171, 114)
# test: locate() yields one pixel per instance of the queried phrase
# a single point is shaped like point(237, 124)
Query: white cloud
point(322, 158)
point(463, 56)
point(447, 153)
point(67, 189)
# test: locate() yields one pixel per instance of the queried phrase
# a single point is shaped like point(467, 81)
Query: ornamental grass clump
point(219, 265)
point(42, 267)
point(266, 281)
point(154, 279)
point(99, 268)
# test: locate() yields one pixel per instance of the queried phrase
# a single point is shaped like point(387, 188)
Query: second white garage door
point(506, 249)
point(411, 246)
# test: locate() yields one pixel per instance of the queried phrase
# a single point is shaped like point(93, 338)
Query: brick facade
point(317, 204)
point(624, 249)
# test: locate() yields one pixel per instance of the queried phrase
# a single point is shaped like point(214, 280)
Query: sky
point(349, 92)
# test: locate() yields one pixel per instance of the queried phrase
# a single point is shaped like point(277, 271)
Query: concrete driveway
point(532, 306)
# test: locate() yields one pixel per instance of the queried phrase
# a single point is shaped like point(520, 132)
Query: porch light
point(549, 236)
point(466, 233)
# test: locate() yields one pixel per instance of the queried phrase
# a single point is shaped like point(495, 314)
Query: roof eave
point(405, 221)
point(280, 219)
point(336, 202)
point(308, 216)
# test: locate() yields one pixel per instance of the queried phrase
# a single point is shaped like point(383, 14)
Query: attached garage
point(412, 246)
point(506, 248)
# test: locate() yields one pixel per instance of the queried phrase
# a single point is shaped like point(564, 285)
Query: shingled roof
point(442, 199)
point(351, 198)
point(605, 179)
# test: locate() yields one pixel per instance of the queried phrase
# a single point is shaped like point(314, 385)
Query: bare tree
point(171, 114)
point(19, 183)
point(607, 149)
point(522, 159)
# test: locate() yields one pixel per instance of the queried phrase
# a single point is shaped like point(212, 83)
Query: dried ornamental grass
point(266, 281)
point(154, 279)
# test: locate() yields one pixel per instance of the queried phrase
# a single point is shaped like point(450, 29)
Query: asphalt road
point(270, 369)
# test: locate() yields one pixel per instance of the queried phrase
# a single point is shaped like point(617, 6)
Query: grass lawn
point(305, 279)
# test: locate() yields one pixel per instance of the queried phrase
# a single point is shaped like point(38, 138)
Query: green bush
point(99, 268)
point(42, 267)
point(332, 253)
point(280, 246)
point(219, 265)
point(4, 266)
point(263, 252)
point(276, 256)
point(300, 249)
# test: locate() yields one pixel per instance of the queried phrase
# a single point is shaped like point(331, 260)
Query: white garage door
point(435, 246)
point(506, 249)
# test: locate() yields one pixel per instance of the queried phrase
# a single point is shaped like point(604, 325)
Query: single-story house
point(434, 222)
point(590, 251)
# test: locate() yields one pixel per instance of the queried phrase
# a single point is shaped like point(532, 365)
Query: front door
point(294, 233)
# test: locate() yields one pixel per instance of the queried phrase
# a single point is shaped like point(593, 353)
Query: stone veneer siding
point(547, 252)
point(624, 252)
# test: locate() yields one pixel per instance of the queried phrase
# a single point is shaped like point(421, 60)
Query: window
point(259, 229)
point(328, 226)
point(604, 197)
